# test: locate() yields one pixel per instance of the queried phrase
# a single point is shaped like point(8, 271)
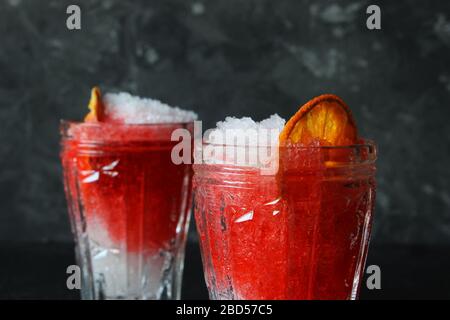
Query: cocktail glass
point(300, 233)
point(129, 208)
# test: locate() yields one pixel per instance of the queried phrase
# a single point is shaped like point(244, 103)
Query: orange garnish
point(326, 119)
point(96, 107)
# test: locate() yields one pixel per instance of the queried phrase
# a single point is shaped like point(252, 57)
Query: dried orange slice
point(96, 107)
point(326, 119)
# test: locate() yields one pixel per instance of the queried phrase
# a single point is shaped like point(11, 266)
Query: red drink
point(299, 234)
point(129, 206)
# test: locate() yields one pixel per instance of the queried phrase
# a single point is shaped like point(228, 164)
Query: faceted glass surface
point(129, 206)
point(301, 233)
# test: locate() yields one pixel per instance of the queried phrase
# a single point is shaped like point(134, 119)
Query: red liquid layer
point(302, 234)
point(131, 194)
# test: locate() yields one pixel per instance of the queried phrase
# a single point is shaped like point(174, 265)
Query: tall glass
point(301, 232)
point(129, 207)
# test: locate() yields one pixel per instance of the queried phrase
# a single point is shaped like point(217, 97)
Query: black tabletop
point(37, 271)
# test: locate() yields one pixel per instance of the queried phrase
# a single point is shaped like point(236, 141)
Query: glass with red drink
point(299, 234)
point(129, 207)
point(298, 231)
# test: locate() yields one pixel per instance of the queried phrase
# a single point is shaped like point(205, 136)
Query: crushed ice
point(130, 109)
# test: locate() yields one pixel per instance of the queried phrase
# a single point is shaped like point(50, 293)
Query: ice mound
point(246, 131)
point(124, 107)
point(245, 142)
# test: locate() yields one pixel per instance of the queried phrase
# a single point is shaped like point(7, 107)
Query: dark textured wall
point(230, 57)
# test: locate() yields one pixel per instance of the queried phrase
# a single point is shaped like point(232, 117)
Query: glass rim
point(367, 143)
point(363, 153)
point(64, 122)
point(67, 135)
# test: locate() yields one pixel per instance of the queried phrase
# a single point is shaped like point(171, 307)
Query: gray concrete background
point(230, 57)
